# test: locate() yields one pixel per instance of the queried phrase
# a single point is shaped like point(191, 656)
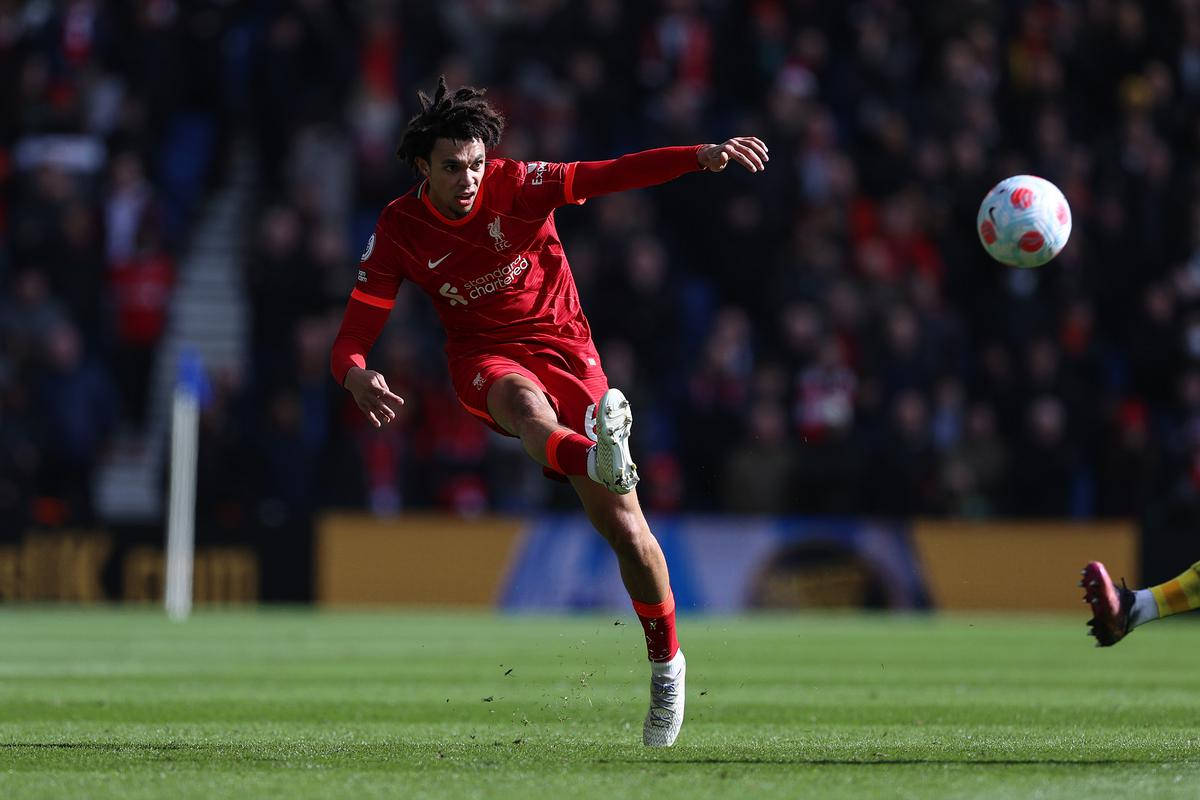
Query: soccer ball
point(1024, 221)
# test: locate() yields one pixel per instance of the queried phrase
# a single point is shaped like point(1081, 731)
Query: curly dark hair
point(460, 115)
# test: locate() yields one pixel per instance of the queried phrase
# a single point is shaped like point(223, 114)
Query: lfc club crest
point(497, 235)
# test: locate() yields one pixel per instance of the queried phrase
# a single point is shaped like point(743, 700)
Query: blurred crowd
point(107, 138)
point(825, 337)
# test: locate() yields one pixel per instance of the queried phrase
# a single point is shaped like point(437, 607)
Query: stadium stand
point(839, 310)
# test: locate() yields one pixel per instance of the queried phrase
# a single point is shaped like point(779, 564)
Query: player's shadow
point(881, 762)
point(97, 746)
point(666, 760)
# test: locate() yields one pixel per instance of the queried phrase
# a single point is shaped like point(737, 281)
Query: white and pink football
point(1024, 221)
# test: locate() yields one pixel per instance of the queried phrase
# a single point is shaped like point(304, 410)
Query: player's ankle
point(1144, 608)
point(669, 666)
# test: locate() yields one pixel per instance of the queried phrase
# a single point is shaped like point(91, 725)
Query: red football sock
point(567, 452)
point(658, 621)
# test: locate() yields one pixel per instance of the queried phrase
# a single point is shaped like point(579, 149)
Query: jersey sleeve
point(633, 171)
point(361, 326)
point(371, 299)
point(380, 269)
point(543, 186)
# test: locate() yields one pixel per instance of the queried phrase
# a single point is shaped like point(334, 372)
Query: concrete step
point(203, 321)
point(210, 275)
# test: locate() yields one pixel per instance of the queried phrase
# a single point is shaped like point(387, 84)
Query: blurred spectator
point(77, 408)
point(947, 421)
point(760, 471)
point(1154, 344)
point(718, 394)
point(1130, 469)
point(20, 456)
point(1044, 467)
point(28, 315)
point(227, 474)
point(974, 469)
point(825, 394)
point(129, 202)
point(903, 475)
point(141, 291)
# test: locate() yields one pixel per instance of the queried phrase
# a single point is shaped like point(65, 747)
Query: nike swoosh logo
point(433, 264)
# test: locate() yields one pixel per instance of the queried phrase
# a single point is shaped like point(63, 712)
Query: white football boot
point(609, 462)
point(665, 717)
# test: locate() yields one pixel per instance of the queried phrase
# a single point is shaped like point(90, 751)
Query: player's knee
point(528, 403)
point(521, 405)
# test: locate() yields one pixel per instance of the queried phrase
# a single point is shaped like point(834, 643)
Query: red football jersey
point(499, 274)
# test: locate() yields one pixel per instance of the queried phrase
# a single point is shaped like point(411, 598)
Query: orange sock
point(567, 452)
point(658, 621)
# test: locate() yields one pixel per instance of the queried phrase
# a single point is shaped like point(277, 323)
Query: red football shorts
point(573, 382)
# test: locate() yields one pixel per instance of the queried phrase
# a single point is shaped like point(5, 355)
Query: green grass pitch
point(295, 704)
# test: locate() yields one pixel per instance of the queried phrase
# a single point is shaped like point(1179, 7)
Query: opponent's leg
point(1177, 595)
point(1118, 610)
point(620, 521)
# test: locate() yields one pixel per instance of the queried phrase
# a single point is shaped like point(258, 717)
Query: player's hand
point(749, 151)
point(372, 395)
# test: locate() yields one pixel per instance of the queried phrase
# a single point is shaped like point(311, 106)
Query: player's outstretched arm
point(361, 326)
point(652, 167)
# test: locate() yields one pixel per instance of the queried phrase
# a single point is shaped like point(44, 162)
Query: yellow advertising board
point(1019, 565)
point(415, 559)
point(549, 563)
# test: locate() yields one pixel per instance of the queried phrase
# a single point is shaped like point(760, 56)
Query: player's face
point(454, 170)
